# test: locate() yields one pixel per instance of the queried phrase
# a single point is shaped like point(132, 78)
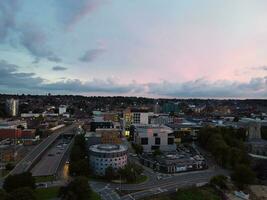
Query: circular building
point(103, 156)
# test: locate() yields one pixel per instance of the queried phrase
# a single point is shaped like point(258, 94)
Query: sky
point(151, 48)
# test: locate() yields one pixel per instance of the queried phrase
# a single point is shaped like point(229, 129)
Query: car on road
point(50, 154)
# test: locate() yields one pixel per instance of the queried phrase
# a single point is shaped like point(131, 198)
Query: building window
point(155, 134)
point(144, 141)
point(157, 141)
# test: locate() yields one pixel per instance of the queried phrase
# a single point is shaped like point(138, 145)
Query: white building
point(12, 107)
point(154, 136)
point(161, 119)
point(62, 109)
point(103, 156)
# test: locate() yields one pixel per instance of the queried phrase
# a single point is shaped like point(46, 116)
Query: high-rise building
point(12, 107)
point(157, 108)
point(62, 109)
point(171, 107)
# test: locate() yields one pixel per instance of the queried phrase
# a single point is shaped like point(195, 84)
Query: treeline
point(225, 144)
point(79, 162)
point(18, 187)
point(130, 173)
point(79, 169)
point(227, 147)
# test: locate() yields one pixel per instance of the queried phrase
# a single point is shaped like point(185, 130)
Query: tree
point(4, 195)
point(24, 193)
point(236, 119)
point(16, 181)
point(9, 166)
point(110, 173)
point(78, 189)
point(137, 148)
point(243, 175)
point(157, 152)
point(219, 181)
point(80, 168)
point(76, 153)
point(131, 172)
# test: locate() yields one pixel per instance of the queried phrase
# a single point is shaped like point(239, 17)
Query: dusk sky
point(152, 48)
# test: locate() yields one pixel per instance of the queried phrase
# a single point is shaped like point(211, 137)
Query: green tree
point(157, 152)
point(80, 168)
point(9, 166)
point(219, 181)
point(110, 173)
point(78, 189)
point(243, 175)
point(76, 153)
point(4, 195)
point(131, 172)
point(137, 148)
point(24, 193)
point(16, 181)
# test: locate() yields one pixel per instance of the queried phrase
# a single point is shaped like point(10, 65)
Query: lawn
point(95, 196)
point(52, 192)
point(140, 179)
point(3, 173)
point(203, 193)
point(39, 179)
point(46, 193)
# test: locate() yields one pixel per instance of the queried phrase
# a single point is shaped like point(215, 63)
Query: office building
point(62, 109)
point(12, 107)
point(103, 156)
point(153, 137)
point(170, 107)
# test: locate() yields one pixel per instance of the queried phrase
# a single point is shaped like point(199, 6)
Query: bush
point(13, 182)
point(78, 189)
point(242, 176)
point(23, 194)
point(9, 166)
point(219, 181)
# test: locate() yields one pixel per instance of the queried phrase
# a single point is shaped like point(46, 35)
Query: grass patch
point(3, 173)
point(39, 179)
point(203, 193)
point(46, 193)
point(140, 179)
point(95, 196)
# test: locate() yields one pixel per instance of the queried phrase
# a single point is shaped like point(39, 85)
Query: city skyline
point(152, 48)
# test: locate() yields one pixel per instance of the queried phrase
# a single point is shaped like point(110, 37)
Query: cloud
point(95, 85)
point(260, 68)
point(11, 78)
point(255, 88)
point(31, 37)
point(8, 10)
point(34, 40)
point(72, 11)
point(91, 55)
point(59, 68)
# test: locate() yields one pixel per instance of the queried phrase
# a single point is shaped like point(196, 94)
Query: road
point(30, 159)
point(156, 183)
point(51, 160)
point(154, 186)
